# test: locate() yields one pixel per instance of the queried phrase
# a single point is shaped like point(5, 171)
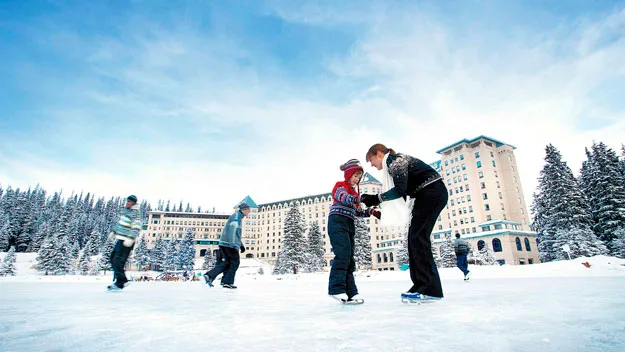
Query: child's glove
point(376, 213)
point(128, 242)
point(111, 235)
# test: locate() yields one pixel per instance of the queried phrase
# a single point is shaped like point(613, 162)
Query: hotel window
point(500, 195)
point(494, 163)
point(482, 185)
point(502, 207)
point(479, 164)
point(485, 196)
point(461, 156)
point(465, 176)
point(452, 202)
point(470, 208)
point(466, 187)
point(456, 159)
point(446, 163)
point(449, 182)
point(481, 174)
point(472, 219)
point(464, 166)
point(486, 207)
point(468, 198)
point(491, 154)
point(477, 154)
point(498, 185)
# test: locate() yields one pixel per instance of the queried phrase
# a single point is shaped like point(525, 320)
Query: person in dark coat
point(462, 249)
point(412, 178)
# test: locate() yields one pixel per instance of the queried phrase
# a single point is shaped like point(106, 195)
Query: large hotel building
point(486, 207)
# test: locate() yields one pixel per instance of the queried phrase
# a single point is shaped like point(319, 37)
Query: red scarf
point(350, 190)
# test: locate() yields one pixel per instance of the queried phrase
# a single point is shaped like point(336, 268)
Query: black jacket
point(409, 175)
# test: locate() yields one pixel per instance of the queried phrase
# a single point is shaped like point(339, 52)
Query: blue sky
point(209, 101)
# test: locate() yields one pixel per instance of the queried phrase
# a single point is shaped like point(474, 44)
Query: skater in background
point(341, 229)
point(462, 249)
point(408, 177)
point(229, 246)
point(126, 232)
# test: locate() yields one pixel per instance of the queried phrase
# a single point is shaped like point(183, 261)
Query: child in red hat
point(341, 229)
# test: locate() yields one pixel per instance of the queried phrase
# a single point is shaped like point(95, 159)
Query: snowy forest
point(584, 214)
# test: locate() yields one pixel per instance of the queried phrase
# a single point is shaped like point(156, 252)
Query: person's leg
point(338, 231)
point(423, 272)
point(233, 261)
point(220, 265)
point(120, 257)
point(351, 288)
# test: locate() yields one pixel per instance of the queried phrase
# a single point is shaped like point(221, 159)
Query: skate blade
point(354, 302)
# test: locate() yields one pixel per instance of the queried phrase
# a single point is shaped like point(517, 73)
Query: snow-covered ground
point(561, 306)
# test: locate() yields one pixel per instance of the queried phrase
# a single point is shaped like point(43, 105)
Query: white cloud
point(246, 134)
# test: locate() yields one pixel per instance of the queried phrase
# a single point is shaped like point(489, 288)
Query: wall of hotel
point(510, 253)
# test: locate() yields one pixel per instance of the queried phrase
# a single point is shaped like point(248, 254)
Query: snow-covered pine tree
point(157, 254)
point(4, 234)
point(581, 241)
point(84, 264)
point(604, 186)
point(362, 247)
point(209, 260)
point(558, 205)
point(315, 248)
point(45, 255)
point(63, 258)
point(292, 256)
point(618, 243)
point(448, 256)
point(484, 256)
point(7, 267)
point(401, 256)
point(141, 254)
point(171, 256)
point(104, 263)
point(92, 247)
point(186, 251)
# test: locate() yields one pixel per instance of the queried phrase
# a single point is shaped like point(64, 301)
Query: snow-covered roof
point(249, 201)
point(494, 233)
point(497, 143)
point(499, 221)
point(368, 178)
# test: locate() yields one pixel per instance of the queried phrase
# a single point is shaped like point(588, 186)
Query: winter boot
point(229, 286)
point(356, 299)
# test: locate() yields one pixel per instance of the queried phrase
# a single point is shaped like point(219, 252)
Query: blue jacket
point(231, 234)
point(129, 223)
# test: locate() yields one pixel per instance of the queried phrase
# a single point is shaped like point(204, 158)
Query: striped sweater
point(129, 223)
point(346, 203)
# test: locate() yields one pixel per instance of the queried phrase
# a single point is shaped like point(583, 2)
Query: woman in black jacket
point(415, 179)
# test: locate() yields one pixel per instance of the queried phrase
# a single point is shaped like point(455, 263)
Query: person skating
point(341, 230)
point(412, 178)
point(126, 232)
point(462, 249)
point(229, 246)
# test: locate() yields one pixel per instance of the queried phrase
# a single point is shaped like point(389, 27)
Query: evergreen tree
point(558, 205)
point(292, 257)
point(401, 256)
point(362, 250)
point(186, 251)
point(63, 258)
point(581, 241)
point(45, 255)
point(5, 235)
point(92, 247)
point(7, 267)
point(171, 256)
point(604, 186)
point(157, 254)
point(209, 260)
point(484, 256)
point(141, 254)
point(104, 262)
point(448, 256)
point(618, 243)
point(315, 248)
point(84, 264)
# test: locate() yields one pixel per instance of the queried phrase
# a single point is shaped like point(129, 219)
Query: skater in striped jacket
point(341, 230)
point(126, 232)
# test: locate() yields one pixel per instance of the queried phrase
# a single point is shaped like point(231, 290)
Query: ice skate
point(208, 280)
point(467, 276)
point(355, 299)
point(341, 297)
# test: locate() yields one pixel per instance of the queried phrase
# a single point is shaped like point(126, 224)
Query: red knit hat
point(350, 168)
